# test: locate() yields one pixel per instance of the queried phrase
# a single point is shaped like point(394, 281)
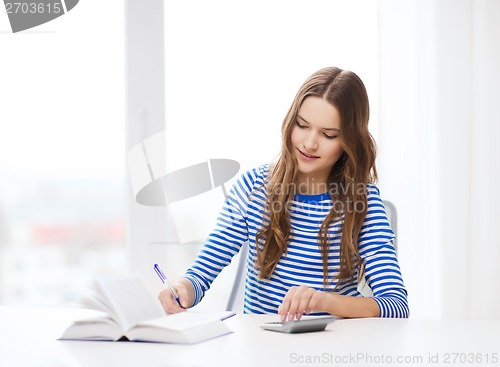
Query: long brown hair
point(347, 180)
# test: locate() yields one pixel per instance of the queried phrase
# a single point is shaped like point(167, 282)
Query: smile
point(308, 157)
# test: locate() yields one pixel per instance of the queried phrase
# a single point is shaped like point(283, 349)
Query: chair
point(392, 215)
point(236, 298)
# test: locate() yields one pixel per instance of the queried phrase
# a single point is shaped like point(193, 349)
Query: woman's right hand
point(168, 301)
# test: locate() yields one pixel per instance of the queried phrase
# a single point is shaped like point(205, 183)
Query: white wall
point(407, 143)
point(437, 124)
point(484, 217)
point(233, 68)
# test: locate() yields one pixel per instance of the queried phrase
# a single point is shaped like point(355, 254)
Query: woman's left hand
point(300, 300)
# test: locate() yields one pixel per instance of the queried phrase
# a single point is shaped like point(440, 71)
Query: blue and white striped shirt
point(240, 220)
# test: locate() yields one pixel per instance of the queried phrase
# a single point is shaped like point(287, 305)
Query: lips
point(307, 156)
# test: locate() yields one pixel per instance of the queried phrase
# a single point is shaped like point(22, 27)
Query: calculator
point(299, 326)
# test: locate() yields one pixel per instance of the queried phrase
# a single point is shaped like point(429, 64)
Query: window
point(62, 156)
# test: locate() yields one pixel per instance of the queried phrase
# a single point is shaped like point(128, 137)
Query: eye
point(299, 125)
point(330, 136)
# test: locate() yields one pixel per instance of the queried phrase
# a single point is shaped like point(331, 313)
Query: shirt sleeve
point(382, 271)
point(226, 239)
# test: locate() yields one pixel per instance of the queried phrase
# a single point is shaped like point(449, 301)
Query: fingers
point(183, 295)
point(169, 302)
point(297, 301)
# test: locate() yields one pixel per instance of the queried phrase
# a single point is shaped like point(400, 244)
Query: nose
point(310, 142)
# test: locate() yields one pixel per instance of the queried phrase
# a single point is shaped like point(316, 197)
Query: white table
point(28, 338)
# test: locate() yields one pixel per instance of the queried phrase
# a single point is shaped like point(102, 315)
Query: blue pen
point(165, 281)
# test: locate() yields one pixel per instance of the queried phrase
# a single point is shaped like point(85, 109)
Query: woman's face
point(315, 140)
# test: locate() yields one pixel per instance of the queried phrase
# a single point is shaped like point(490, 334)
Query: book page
point(130, 300)
point(95, 301)
point(183, 327)
point(187, 320)
point(95, 328)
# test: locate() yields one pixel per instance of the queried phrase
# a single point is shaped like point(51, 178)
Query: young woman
point(314, 220)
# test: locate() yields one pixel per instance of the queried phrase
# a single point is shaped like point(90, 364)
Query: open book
point(130, 311)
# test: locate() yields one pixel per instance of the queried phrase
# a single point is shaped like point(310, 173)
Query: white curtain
point(438, 151)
